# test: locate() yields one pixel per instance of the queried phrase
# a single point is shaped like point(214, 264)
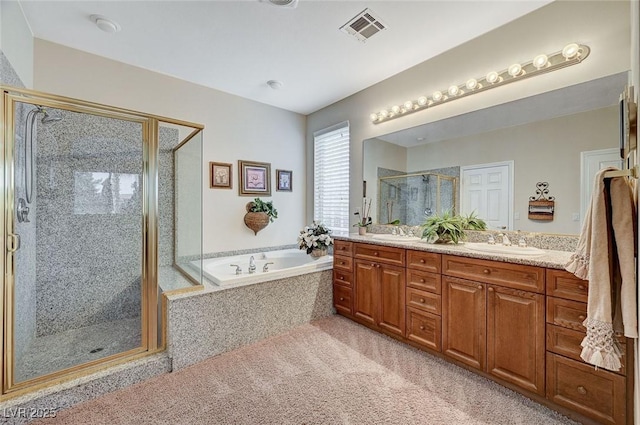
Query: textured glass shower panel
point(188, 202)
point(83, 247)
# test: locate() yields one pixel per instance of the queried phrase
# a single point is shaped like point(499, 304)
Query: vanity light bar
point(572, 54)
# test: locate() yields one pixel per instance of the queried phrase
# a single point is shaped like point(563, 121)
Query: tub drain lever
point(238, 269)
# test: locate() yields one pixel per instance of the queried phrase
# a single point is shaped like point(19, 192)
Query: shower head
point(48, 119)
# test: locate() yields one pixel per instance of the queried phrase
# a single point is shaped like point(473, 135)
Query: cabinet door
point(464, 321)
point(515, 337)
point(366, 291)
point(392, 298)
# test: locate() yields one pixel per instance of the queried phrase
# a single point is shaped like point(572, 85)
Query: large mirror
point(490, 161)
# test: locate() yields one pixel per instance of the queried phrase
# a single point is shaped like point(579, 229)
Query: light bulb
point(454, 90)
point(515, 69)
point(437, 96)
point(395, 109)
point(492, 77)
point(384, 113)
point(373, 117)
point(540, 61)
point(570, 50)
point(422, 100)
point(408, 105)
point(472, 84)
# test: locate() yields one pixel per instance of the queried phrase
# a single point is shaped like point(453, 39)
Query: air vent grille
point(364, 25)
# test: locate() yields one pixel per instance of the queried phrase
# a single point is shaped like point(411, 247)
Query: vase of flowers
point(364, 220)
point(315, 239)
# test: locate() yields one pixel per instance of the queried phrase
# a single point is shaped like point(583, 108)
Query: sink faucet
point(252, 265)
point(265, 268)
point(505, 239)
point(401, 232)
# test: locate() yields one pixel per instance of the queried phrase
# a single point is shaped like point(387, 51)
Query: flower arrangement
point(313, 237)
point(364, 218)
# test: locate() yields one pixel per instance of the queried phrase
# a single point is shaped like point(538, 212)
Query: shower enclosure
point(90, 202)
point(411, 198)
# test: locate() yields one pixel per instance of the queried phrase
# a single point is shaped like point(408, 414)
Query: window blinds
point(331, 178)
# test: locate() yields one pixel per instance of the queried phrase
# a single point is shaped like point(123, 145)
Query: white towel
point(605, 256)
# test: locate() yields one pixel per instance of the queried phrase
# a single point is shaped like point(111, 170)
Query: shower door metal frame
point(149, 273)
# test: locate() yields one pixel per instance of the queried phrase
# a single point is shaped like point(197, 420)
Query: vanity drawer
point(425, 261)
point(565, 313)
point(515, 276)
point(598, 394)
point(566, 285)
point(342, 248)
point(431, 303)
point(342, 263)
point(424, 281)
point(343, 278)
point(342, 299)
point(424, 328)
point(383, 254)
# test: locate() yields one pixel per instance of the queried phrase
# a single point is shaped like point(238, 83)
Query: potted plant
point(448, 227)
point(315, 239)
point(259, 215)
point(364, 219)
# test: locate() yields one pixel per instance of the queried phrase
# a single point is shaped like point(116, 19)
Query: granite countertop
point(551, 259)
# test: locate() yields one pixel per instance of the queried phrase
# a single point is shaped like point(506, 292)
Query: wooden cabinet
point(492, 328)
point(343, 277)
point(380, 295)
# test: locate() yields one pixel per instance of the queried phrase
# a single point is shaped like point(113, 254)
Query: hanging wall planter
point(259, 215)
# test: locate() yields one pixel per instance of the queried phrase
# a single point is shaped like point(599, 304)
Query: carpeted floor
point(332, 371)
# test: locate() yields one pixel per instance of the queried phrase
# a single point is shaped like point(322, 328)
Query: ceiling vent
point(282, 3)
point(364, 25)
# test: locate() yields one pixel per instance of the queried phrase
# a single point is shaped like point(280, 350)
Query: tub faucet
point(265, 268)
point(505, 240)
point(238, 269)
point(252, 265)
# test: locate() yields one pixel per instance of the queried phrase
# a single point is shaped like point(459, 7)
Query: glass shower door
point(79, 212)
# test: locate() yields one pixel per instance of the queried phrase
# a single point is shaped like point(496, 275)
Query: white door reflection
point(106, 193)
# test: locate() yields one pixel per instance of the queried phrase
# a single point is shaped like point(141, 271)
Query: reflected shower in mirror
point(554, 137)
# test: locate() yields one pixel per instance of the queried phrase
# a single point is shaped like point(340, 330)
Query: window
point(331, 177)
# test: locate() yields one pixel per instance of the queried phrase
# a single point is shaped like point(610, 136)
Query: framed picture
point(255, 178)
point(284, 180)
point(219, 175)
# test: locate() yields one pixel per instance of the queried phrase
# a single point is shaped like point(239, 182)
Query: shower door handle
point(13, 242)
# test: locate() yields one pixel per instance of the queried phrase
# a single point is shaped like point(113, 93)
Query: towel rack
point(629, 172)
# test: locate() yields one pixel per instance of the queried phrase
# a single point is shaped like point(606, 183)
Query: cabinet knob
point(581, 390)
point(422, 300)
point(342, 263)
point(486, 271)
point(341, 298)
point(422, 260)
point(490, 289)
point(479, 286)
point(421, 328)
point(342, 248)
point(340, 277)
point(378, 265)
point(581, 317)
point(373, 264)
point(581, 287)
point(421, 280)
point(375, 253)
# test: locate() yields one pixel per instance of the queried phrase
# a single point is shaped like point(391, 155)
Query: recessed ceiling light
point(105, 24)
point(275, 84)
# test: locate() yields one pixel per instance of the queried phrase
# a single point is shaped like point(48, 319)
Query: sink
point(396, 238)
point(501, 249)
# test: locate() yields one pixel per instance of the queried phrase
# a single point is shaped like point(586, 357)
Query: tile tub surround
point(79, 390)
point(216, 320)
point(552, 259)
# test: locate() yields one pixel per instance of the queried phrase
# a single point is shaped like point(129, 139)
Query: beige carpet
point(332, 371)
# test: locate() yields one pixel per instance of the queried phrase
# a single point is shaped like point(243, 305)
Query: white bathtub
point(286, 263)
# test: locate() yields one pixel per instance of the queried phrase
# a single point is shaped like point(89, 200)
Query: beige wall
point(235, 128)
point(543, 151)
point(603, 25)
point(16, 40)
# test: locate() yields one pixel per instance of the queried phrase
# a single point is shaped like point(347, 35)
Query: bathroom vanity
point(516, 320)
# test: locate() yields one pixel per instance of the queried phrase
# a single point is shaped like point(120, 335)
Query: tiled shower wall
point(25, 275)
point(89, 254)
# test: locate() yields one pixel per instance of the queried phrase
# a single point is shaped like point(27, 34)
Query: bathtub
point(286, 263)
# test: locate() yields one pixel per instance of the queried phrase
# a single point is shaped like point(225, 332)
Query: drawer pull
point(479, 286)
point(422, 300)
point(342, 263)
point(376, 254)
point(421, 280)
point(341, 298)
point(490, 289)
point(422, 260)
point(581, 287)
point(343, 248)
point(486, 271)
point(373, 264)
point(581, 390)
point(581, 317)
point(340, 277)
point(421, 328)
